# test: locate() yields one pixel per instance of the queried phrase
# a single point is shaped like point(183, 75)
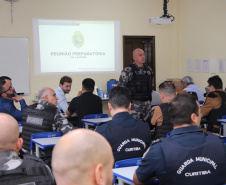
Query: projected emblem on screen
point(76, 46)
point(78, 39)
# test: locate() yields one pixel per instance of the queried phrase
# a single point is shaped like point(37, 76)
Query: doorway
point(147, 43)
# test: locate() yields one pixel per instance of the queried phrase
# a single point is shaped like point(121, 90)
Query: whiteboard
point(14, 56)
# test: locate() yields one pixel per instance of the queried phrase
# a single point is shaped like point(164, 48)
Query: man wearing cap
point(189, 86)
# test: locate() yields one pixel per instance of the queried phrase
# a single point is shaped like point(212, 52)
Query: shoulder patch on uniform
point(215, 134)
point(211, 95)
point(155, 141)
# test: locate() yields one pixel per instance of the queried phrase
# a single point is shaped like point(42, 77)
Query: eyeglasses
point(10, 87)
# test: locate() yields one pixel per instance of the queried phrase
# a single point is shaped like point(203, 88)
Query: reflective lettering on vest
point(207, 160)
point(34, 120)
point(184, 165)
point(132, 149)
point(191, 174)
point(122, 144)
point(139, 141)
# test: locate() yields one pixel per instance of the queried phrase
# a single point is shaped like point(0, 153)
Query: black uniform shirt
point(86, 104)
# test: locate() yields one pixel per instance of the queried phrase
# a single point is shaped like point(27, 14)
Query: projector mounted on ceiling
point(165, 18)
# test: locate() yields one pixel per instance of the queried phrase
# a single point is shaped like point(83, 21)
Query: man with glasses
point(43, 117)
point(215, 105)
point(8, 96)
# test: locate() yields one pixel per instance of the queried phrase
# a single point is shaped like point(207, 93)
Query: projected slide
point(67, 46)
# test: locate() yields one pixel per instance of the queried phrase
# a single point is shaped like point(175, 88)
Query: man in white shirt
point(64, 88)
point(189, 86)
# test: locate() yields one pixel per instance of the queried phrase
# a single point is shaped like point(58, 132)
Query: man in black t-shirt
point(86, 102)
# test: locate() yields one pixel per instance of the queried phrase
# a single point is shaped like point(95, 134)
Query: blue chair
point(221, 125)
point(154, 105)
point(201, 102)
point(20, 123)
point(224, 138)
point(92, 116)
point(44, 135)
point(130, 162)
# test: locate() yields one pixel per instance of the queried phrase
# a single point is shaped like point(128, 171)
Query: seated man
point(7, 96)
point(128, 137)
point(64, 88)
point(188, 156)
point(160, 118)
point(86, 102)
point(178, 84)
point(215, 105)
point(82, 157)
point(43, 117)
point(189, 86)
point(14, 170)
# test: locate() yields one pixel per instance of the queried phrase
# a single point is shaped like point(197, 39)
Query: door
point(147, 43)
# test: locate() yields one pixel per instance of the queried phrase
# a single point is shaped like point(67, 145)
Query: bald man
point(14, 170)
point(82, 157)
point(138, 78)
point(43, 117)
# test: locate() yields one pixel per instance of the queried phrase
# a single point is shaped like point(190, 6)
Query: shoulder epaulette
point(155, 141)
point(211, 95)
point(215, 134)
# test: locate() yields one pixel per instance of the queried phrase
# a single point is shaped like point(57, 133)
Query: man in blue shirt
point(7, 96)
point(128, 137)
point(188, 156)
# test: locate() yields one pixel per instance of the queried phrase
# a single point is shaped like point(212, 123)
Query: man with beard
point(7, 96)
point(64, 88)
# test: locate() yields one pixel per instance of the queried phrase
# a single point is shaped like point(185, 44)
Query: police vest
point(217, 113)
point(204, 164)
point(128, 142)
point(141, 84)
point(32, 170)
point(36, 121)
point(166, 126)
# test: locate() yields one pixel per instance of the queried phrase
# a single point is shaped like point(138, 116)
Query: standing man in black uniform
point(138, 78)
point(127, 136)
point(188, 156)
point(215, 105)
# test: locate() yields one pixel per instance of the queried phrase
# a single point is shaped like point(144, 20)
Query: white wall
point(133, 16)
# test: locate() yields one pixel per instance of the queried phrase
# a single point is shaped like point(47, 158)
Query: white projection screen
point(76, 46)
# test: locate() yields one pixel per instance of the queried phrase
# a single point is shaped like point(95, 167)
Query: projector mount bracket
point(12, 9)
point(166, 14)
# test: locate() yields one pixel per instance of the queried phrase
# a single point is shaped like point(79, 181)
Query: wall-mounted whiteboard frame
point(14, 56)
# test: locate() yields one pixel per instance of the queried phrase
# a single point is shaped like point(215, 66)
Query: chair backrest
point(154, 105)
point(201, 102)
point(128, 162)
point(44, 135)
point(91, 116)
point(20, 123)
point(224, 138)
